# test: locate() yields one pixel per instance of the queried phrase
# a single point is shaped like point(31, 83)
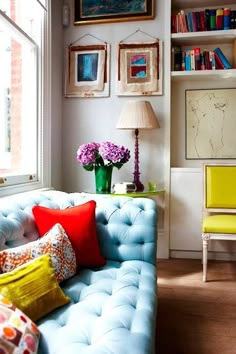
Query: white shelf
point(207, 37)
point(203, 75)
point(191, 4)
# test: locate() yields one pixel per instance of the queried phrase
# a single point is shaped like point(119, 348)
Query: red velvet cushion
point(80, 225)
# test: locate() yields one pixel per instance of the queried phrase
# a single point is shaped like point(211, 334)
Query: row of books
point(205, 20)
point(195, 59)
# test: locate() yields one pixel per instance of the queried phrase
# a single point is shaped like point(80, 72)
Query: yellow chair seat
point(221, 224)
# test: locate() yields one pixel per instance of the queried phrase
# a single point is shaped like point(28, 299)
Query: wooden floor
point(196, 317)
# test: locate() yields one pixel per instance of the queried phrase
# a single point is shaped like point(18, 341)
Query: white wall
point(94, 119)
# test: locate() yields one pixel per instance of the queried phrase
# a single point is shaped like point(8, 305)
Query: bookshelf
point(205, 40)
point(214, 37)
point(180, 81)
point(185, 188)
point(199, 75)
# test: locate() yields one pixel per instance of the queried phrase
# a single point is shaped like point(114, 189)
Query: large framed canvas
point(87, 71)
point(101, 11)
point(139, 69)
point(210, 123)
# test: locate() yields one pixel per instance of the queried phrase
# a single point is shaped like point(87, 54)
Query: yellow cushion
point(33, 288)
point(224, 224)
point(221, 186)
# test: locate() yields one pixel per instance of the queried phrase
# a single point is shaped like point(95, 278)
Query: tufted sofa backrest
point(126, 227)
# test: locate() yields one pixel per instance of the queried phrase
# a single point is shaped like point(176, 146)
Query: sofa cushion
point(79, 224)
point(18, 333)
point(33, 288)
point(112, 310)
point(55, 243)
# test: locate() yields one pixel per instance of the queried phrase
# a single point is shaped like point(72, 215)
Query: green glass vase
point(103, 176)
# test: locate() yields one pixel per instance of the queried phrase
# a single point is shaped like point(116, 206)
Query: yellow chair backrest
point(220, 186)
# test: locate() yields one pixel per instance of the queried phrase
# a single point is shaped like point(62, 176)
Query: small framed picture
point(100, 11)
point(87, 71)
point(139, 69)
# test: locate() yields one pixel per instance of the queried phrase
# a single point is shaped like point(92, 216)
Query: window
point(24, 95)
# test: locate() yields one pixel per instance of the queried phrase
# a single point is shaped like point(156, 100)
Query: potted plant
point(101, 158)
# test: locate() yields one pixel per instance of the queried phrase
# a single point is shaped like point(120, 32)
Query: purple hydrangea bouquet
point(105, 154)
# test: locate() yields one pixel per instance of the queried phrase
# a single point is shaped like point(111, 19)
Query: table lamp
point(137, 115)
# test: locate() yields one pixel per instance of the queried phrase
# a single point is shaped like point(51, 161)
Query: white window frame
point(44, 116)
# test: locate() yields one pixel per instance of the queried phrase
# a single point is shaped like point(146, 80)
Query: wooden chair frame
point(217, 208)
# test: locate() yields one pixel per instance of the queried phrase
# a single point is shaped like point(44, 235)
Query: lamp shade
point(137, 115)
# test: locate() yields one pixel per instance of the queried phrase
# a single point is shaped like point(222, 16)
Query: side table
point(140, 194)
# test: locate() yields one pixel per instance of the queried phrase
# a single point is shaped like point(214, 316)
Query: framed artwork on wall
point(102, 11)
point(210, 124)
point(139, 69)
point(87, 70)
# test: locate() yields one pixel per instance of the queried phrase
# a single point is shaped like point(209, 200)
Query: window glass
point(18, 114)
point(27, 14)
point(21, 73)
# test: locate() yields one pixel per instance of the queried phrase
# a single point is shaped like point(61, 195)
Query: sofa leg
point(205, 239)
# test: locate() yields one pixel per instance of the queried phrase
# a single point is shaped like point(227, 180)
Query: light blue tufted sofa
point(112, 308)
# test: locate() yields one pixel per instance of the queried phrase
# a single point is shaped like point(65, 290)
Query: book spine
point(207, 59)
point(202, 62)
point(187, 60)
point(173, 23)
point(177, 58)
point(233, 19)
point(207, 19)
point(212, 20)
point(197, 53)
point(172, 59)
point(183, 21)
point(222, 57)
point(180, 27)
point(234, 53)
point(212, 60)
point(219, 64)
point(198, 25)
point(190, 23)
point(194, 21)
point(183, 61)
point(220, 19)
point(202, 21)
point(226, 18)
point(178, 23)
point(192, 59)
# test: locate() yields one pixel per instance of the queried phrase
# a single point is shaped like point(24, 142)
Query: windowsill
point(26, 192)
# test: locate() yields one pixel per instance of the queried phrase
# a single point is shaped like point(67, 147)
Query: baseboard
point(219, 256)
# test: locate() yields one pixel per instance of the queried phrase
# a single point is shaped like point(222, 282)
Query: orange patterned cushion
point(55, 243)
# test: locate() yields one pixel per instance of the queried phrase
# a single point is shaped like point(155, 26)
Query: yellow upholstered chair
point(219, 209)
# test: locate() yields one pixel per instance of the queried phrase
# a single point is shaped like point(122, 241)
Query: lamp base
point(139, 186)
point(136, 181)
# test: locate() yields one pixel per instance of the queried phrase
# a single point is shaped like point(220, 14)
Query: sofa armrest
point(127, 228)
